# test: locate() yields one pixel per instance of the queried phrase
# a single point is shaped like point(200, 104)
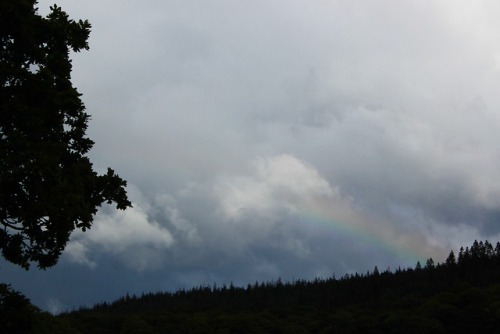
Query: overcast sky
point(286, 138)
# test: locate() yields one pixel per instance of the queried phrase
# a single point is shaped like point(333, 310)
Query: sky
point(280, 139)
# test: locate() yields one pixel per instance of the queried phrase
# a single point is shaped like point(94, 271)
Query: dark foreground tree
point(17, 315)
point(47, 184)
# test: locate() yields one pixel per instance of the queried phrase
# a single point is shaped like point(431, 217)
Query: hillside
point(461, 295)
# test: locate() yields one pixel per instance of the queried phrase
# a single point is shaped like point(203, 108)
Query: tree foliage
point(47, 183)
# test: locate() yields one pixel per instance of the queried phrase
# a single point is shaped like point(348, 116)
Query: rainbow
point(343, 219)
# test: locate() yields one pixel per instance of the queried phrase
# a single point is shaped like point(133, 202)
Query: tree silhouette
point(451, 260)
point(47, 184)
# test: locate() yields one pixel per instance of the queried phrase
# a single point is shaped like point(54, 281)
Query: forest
point(461, 295)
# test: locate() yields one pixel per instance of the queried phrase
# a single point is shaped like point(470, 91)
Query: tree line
point(459, 295)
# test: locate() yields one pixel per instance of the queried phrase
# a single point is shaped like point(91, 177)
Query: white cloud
point(55, 306)
point(78, 253)
point(175, 217)
point(123, 229)
point(131, 235)
point(275, 184)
